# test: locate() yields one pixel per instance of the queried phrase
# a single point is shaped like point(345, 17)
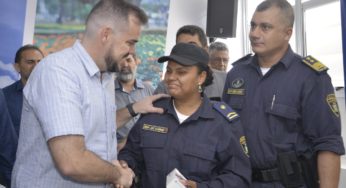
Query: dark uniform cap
point(187, 54)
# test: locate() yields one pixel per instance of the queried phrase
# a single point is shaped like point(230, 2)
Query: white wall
point(184, 12)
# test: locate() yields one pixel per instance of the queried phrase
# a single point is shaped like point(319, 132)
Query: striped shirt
point(64, 96)
point(123, 98)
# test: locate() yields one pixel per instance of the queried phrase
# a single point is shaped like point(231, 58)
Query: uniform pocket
point(283, 110)
point(152, 145)
point(199, 158)
point(283, 125)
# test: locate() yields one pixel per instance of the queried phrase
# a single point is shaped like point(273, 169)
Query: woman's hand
point(189, 183)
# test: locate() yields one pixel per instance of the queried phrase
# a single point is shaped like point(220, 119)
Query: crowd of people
point(80, 117)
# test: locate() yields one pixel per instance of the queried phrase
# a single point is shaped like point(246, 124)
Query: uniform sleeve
point(321, 116)
point(234, 169)
point(8, 143)
point(131, 153)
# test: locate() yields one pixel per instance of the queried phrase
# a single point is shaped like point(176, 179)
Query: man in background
point(195, 35)
point(219, 56)
point(26, 59)
point(128, 90)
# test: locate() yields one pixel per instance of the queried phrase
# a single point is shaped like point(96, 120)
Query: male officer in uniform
point(287, 107)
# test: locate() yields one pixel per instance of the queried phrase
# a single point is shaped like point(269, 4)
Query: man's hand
point(146, 104)
point(126, 175)
point(140, 107)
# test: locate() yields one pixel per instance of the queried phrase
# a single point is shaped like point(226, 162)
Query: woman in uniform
point(200, 138)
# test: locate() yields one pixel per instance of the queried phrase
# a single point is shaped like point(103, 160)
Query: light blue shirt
point(64, 96)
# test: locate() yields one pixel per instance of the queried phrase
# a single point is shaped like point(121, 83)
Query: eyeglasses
point(219, 60)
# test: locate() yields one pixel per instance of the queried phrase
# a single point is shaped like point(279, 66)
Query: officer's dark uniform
point(8, 143)
point(291, 108)
point(204, 148)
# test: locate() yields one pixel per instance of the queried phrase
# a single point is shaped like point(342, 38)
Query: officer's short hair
point(194, 30)
point(285, 7)
point(19, 52)
point(218, 46)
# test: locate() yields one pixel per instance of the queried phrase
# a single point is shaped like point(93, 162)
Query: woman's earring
point(200, 90)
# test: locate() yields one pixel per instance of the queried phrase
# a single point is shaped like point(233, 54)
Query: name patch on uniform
point(155, 128)
point(333, 104)
point(232, 91)
point(242, 142)
point(314, 64)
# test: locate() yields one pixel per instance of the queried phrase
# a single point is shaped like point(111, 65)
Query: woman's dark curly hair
point(209, 79)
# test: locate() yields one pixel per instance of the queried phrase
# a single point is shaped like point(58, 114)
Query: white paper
point(173, 178)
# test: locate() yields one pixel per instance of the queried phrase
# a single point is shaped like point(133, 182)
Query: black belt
point(266, 175)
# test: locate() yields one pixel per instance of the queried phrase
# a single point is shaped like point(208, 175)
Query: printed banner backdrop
point(12, 18)
point(343, 26)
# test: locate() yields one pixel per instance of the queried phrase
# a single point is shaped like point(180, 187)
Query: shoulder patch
point(314, 64)
point(226, 111)
point(237, 62)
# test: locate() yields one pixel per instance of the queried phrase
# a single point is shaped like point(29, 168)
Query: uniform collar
point(286, 60)
point(205, 111)
point(288, 57)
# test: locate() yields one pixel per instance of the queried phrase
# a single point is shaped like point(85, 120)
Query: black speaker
point(222, 18)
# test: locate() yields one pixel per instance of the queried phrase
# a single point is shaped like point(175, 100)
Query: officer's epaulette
point(242, 59)
point(225, 110)
point(314, 64)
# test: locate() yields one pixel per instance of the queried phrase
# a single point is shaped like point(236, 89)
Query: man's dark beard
point(112, 64)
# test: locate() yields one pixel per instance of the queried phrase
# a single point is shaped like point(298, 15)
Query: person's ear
point(106, 33)
point(289, 32)
point(138, 61)
point(16, 67)
point(202, 77)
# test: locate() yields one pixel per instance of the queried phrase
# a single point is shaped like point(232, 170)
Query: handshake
point(125, 175)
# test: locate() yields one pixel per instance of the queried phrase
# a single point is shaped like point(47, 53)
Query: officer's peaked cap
point(187, 54)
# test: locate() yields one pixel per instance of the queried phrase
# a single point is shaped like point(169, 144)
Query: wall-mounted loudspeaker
point(222, 18)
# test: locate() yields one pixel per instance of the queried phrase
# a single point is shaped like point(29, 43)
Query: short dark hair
point(194, 30)
point(19, 52)
point(115, 11)
point(285, 7)
point(218, 46)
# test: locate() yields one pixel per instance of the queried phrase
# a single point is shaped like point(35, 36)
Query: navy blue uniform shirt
point(14, 99)
point(291, 108)
point(8, 143)
point(205, 148)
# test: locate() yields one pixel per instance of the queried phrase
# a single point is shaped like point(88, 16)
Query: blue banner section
point(343, 28)
point(12, 18)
